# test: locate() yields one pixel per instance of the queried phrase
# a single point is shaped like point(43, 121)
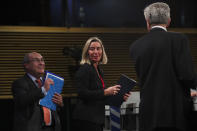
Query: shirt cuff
point(43, 90)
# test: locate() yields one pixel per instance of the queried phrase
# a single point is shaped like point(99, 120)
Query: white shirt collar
point(158, 26)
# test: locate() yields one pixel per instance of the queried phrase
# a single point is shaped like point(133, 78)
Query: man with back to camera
point(27, 92)
point(164, 68)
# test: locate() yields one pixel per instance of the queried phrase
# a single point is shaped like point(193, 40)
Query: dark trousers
point(166, 129)
point(193, 121)
point(80, 125)
point(48, 129)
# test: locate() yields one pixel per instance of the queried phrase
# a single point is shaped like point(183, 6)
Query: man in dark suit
point(165, 72)
point(29, 115)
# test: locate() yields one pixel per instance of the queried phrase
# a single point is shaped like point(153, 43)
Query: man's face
point(36, 65)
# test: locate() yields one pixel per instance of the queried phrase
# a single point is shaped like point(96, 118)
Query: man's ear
point(148, 25)
point(26, 66)
point(169, 20)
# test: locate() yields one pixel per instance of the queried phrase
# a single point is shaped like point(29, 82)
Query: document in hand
point(126, 84)
point(56, 88)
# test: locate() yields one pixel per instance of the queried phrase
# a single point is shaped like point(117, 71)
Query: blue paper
point(56, 88)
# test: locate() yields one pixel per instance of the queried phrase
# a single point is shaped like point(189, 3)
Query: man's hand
point(57, 99)
point(47, 84)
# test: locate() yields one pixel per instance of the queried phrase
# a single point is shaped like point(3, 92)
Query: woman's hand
point(126, 96)
point(193, 93)
point(113, 90)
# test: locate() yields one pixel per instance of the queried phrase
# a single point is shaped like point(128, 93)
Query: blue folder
point(56, 88)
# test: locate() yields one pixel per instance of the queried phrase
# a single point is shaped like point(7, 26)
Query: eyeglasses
point(36, 60)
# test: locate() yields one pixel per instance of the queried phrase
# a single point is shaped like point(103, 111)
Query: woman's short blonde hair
point(85, 57)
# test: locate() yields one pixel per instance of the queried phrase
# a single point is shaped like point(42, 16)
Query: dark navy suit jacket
point(165, 72)
point(28, 114)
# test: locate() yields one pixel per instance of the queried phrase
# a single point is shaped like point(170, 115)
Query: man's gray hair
point(26, 58)
point(157, 13)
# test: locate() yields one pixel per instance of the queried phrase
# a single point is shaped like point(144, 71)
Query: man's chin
point(41, 72)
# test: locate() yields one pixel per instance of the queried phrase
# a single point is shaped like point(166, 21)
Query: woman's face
point(95, 52)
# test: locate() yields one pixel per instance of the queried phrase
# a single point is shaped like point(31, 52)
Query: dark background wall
point(15, 41)
point(91, 13)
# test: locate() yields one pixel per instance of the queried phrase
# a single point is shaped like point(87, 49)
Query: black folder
point(127, 85)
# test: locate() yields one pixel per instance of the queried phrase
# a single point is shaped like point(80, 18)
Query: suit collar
point(158, 28)
point(29, 80)
point(99, 82)
point(34, 78)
